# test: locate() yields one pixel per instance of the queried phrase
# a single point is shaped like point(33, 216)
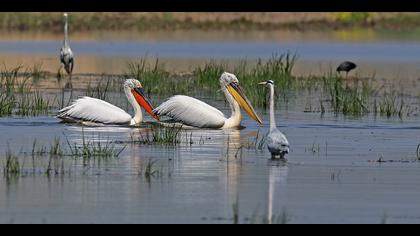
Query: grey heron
point(277, 143)
point(66, 54)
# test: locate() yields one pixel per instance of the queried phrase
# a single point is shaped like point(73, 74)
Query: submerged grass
point(258, 143)
point(16, 95)
point(94, 148)
point(331, 92)
point(168, 136)
point(348, 97)
point(12, 165)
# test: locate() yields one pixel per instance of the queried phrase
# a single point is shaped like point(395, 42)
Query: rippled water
point(340, 169)
point(332, 175)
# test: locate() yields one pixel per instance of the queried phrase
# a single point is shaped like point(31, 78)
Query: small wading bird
point(89, 110)
point(276, 141)
point(194, 113)
point(346, 66)
point(66, 55)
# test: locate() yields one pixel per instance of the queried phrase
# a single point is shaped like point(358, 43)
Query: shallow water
point(385, 54)
point(332, 175)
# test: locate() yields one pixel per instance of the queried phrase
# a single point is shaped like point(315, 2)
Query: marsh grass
point(282, 218)
point(35, 73)
point(94, 148)
point(314, 148)
point(332, 93)
point(100, 90)
point(150, 171)
point(12, 165)
point(167, 136)
point(16, 95)
point(32, 104)
point(258, 143)
point(155, 79)
point(390, 106)
point(56, 153)
point(348, 97)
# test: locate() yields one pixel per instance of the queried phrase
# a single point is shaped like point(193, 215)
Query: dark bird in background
point(66, 55)
point(346, 66)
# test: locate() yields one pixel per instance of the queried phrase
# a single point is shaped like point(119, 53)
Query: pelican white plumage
point(195, 113)
point(89, 110)
point(66, 54)
point(277, 143)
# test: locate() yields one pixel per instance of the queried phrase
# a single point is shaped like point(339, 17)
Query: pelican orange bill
point(144, 102)
point(239, 95)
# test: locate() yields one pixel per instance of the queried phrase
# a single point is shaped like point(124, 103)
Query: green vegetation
point(12, 165)
point(257, 143)
point(331, 92)
point(16, 95)
point(150, 171)
point(204, 21)
point(94, 148)
point(167, 136)
point(353, 17)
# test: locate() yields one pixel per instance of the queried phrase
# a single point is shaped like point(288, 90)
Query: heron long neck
point(138, 115)
point(236, 116)
point(66, 43)
point(272, 117)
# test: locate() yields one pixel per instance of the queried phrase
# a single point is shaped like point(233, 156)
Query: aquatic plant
point(345, 98)
point(169, 136)
point(100, 90)
point(149, 171)
point(389, 106)
point(12, 165)
point(257, 143)
point(36, 73)
point(314, 148)
point(282, 218)
point(155, 79)
point(94, 148)
point(32, 104)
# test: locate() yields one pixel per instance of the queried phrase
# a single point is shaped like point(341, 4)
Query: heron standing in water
point(66, 55)
point(346, 66)
point(276, 141)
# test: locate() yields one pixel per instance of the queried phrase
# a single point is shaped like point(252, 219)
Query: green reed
point(168, 136)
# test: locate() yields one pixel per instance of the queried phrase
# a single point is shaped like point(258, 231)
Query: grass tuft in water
point(168, 136)
point(150, 171)
point(258, 143)
point(12, 165)
point(100, 90)
point(94, 148)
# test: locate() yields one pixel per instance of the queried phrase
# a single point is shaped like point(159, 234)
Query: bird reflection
point(277, 180)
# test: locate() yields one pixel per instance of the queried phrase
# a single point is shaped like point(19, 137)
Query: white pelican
point(66, 55)
point(276, 141)
point(192, 112)
point(88, 110)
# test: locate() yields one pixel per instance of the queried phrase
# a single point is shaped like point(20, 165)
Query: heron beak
point(262, 83)
point(144, 102)
point(238, 94)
